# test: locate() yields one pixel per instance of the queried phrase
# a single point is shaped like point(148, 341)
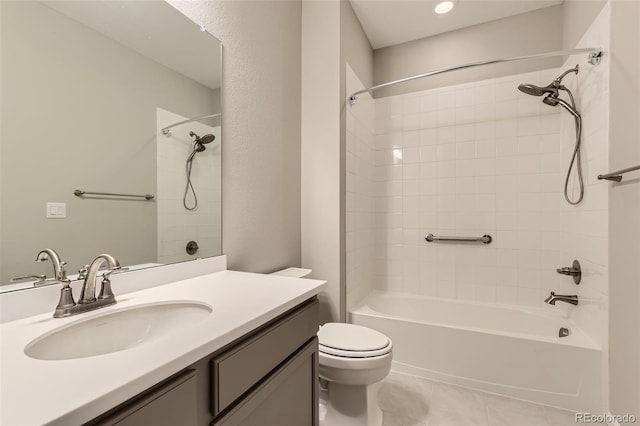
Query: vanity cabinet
point(169, 404)
point(268, 377)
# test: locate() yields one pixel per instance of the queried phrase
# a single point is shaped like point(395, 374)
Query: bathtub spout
point(553, 298)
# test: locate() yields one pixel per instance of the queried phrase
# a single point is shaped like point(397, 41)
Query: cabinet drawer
point(234, 372)
point(289, 396)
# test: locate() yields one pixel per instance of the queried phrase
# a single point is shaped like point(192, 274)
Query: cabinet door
point(288, 397)
point(170, 404)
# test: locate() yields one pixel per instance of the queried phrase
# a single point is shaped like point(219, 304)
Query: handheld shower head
point(551, 100)
point(555, 101)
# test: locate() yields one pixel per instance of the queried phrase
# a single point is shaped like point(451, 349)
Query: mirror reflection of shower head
point(198, 146)
point(202, 140)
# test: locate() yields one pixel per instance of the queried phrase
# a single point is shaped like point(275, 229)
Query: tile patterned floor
point(411, 401)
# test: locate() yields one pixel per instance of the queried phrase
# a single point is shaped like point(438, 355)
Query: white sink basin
point(117, 330)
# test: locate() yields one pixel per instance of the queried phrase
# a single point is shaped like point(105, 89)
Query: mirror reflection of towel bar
point(80, 193)
point(486, 239)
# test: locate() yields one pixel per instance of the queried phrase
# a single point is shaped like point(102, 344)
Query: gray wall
point(331, 37)
point(354, 46)
point(577, 15)
point(528, 33)
point(261, 128)
point(624, 209)
point(356, 51)
point(79, 113)
point(320, 139)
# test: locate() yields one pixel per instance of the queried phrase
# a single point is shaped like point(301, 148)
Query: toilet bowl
point(353, 360)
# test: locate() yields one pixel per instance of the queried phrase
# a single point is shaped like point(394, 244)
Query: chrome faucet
point(50, 254)
point(59, 273)
point(88, 294)
point(553, 298)
point(88, 301)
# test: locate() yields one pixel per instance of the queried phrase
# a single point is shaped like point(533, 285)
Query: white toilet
point(353, 360)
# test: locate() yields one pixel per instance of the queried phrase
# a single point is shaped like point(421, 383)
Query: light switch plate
point(56, 210)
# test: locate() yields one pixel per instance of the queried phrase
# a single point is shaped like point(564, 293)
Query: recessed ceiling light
point(444, 7)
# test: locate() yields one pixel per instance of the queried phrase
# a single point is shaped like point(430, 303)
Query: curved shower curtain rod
point(165, 130)
point(595, 54)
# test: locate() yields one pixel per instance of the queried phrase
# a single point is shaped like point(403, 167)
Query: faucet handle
point(66, 302)
point(105, 288)
point(574, 270)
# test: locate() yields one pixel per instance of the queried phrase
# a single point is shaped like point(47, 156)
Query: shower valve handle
point(575, 271)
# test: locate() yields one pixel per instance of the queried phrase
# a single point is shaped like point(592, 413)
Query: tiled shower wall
point(468, 160)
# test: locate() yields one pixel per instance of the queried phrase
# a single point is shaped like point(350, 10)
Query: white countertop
point(71, 392)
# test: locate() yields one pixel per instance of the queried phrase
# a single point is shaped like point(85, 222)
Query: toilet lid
point(352, 340)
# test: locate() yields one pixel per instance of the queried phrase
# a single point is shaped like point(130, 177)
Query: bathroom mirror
point(87, 88)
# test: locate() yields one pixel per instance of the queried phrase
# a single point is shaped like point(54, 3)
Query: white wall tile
point(475, 159)
point(446, 117)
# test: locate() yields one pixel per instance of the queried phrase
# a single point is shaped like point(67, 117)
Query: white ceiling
point(389, 22)
point(154, 29)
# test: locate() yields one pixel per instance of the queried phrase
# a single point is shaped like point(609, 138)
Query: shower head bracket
point(595, 57)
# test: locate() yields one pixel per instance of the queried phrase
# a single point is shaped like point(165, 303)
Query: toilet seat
point(352, 341)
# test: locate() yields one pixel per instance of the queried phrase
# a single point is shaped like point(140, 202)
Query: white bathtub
point(496, 348)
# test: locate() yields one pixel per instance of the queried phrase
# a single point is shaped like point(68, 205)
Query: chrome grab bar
point(617, 176)
point(80, 193)
point(486, 239)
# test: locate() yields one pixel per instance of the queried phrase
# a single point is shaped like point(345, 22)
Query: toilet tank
point(293, 272)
